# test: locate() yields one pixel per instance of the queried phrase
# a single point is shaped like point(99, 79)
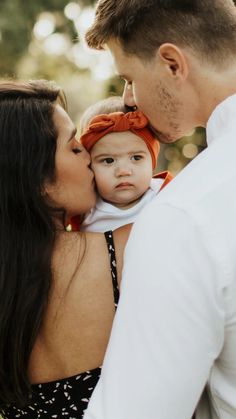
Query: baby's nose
point(123, 170)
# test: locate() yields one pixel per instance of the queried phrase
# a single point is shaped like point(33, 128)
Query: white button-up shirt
point(175, 329)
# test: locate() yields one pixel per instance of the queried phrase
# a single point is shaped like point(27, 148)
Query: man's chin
point(164, 138)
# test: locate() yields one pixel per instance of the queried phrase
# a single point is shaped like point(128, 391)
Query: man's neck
point(214, 87)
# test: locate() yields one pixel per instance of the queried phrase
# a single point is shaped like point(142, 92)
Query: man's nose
point(128, 95)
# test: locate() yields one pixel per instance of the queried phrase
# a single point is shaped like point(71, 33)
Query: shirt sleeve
point(169, 326)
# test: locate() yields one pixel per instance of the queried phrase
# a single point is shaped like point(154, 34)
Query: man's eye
point(76, 150)
point(137, 157)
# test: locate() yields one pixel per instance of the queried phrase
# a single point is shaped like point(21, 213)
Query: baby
point(123, 156)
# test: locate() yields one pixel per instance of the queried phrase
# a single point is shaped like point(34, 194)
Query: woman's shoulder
point(98, 245)
point(121, 234)
point(120, 237)
point(88, 250)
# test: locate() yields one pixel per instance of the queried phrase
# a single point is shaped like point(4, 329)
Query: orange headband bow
point(135, 122)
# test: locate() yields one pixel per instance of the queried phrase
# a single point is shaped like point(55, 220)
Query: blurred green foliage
point(17, 19)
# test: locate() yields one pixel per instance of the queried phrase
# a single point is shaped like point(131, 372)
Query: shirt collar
point(221, 118)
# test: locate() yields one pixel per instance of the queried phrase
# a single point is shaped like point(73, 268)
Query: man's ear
point(174, 61)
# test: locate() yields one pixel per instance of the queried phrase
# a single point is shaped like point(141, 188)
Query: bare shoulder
point(89, 251)
point(73, 249)
point(97, 246)
point(121, 235)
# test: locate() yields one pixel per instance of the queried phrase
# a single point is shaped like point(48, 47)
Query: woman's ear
point(174, 60)
point(47, 189)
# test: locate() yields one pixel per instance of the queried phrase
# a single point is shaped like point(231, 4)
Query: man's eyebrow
point(73, 133)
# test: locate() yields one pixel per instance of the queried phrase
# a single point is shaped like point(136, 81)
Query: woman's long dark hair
point(27, 232)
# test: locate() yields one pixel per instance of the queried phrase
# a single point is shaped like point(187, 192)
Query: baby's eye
point(108, 160)
point(137, 157)
point(76, 150)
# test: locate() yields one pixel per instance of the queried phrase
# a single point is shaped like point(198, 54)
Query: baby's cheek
point(99, 178)
point(103, 185)
point(95, 169)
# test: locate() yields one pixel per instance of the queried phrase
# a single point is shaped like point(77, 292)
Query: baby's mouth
point(124, 185)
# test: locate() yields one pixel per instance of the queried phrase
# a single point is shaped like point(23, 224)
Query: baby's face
point(122, 166)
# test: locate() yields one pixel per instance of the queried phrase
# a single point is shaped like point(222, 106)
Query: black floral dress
point(67, 398)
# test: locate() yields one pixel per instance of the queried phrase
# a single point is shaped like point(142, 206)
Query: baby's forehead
point(124, 141)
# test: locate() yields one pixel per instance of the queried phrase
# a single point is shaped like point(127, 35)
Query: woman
point(57, 294)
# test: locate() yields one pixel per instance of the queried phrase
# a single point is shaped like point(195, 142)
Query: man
point(173, 345)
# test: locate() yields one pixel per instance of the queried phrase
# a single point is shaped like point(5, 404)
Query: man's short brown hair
point(141, 26)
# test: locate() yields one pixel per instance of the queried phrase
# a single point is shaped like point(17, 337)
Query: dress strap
point(112, 255)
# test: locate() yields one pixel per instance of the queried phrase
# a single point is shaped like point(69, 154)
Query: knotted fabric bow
point(135, 122)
